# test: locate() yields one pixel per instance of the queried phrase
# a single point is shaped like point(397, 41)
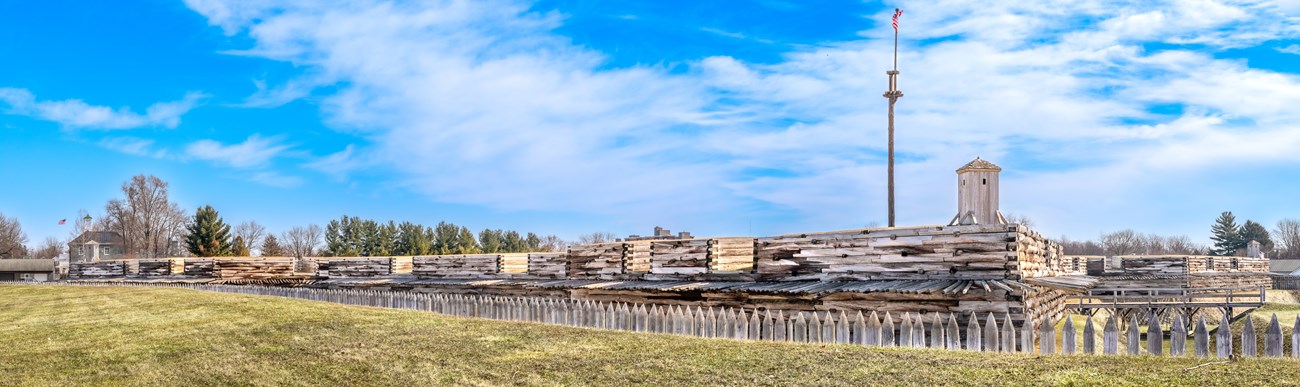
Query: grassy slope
point(79, 335)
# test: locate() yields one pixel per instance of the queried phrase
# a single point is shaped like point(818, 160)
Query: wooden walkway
point(1167, 302)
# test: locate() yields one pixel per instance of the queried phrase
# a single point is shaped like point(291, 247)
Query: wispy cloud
point(487, 92)
point(134, 146)
point(735, 35)
point(1292, 49)
point(254, 152)
point(75, 113)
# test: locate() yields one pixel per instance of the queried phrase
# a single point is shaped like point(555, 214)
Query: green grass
point(102, 335)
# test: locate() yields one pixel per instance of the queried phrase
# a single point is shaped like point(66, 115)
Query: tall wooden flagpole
point(893, 94)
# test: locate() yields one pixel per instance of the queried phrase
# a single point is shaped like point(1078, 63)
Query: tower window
point(986, 181)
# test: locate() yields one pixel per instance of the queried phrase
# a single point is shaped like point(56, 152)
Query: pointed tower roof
point(979, 165)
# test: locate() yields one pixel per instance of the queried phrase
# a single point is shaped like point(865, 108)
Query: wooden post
point(1295, 339)
point(778, 329)
point(1008, 335)
point(905, 331)
point(859, 329)
point(918, 331)
point(973, 339)
point(1155, 335)
point(1067, 336)
point(1047, 337)
point(1178, 337)
point(887, 331)
point(990, 343)
point(815, 329)
point(936, 332)
point(768, 325)
point(1223, 339)
point(874, 334)
point(954, 333)
point(1027, 332)
point(1089, 337)
point(842, 329)
point(1201, 339)
point(1110, 336)
point(800, 329)
point(1248, 339)
point(1273, 338)
point(1134, 336)
point(755, 328)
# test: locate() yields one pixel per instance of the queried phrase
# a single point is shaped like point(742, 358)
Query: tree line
point(1228, 237)
point(151, 226)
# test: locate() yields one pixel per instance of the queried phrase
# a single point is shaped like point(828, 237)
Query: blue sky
point(722, 118)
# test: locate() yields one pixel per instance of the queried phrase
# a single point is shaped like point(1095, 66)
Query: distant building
point(95, 246)
point(37, 270)
point(661, 234)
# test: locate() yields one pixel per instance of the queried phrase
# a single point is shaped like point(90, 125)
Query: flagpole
point(893, 94)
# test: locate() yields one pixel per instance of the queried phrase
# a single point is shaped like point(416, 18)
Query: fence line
point(993, 334)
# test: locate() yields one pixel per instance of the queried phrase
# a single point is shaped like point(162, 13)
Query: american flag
point(63, 222)
point(897, 12)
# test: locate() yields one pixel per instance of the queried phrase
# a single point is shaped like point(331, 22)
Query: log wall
point(252, 268)
point(952, 252)
point(99, 269)
point(597, 261)
point(547, 265)
point(457, 266)
point(159, 267)
point(199, 267)
point(354, 267)
point(514, 263)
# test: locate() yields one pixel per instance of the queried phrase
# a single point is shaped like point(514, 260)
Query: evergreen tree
point(1251, 231)
point(534, 242)
point(515, 243)
point(465, 242)
point(209, 235)
point(489, 240)
point(446, 239)
point(1226, 235)
point(413, 239)
point(239, 248)
point(271, 247)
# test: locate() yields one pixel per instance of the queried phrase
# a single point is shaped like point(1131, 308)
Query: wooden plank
point(1178, 336)
point(1110, 337)
point(1155, 335)
point(1223, 339)
point(1248, 339)
point(1068, 336)
point(1047, 337)
point(1273, 338)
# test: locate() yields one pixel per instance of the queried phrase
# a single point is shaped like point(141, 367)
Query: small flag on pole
point(63, 222)
point(897, 12)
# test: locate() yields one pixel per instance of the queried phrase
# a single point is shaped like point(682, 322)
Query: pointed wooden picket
point(1008, 334)
point(800, 330)
point(1248, 339)
point(918, 331)
point(1089, 337)
point(1110, 337)
point(990, 333)
point(859, 329)
point(779, 331)
point(1027, 333)
point(974, 341)
point(1273, 338)
point(1047, 337)
point(1155, 335)
point(905, 331)
point(755, 326)
point(1067, 336)
point(887, 331)
point(768, 327)
point(1223, 339)
point(1134, 336)
point(874, 334)
point(1295, 339)
point(1178, 337)
point(842, 329)
point(1201, 339)
point(936, 331)
point(828, 329)
point(953, 333)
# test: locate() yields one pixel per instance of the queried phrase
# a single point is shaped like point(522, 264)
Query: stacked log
point(253, 269)
point(597, 261)
point(514, 263)
point(638, 257)
point(731, 255)
point(1036, 256)
point(158, 267)
point(1154, 265)
point(202, 268)
point(976, 252)
point(457, 266)
point(679, 257)
point(401, 265)
point(101, 269)
point(547, 265)
point(354, 267)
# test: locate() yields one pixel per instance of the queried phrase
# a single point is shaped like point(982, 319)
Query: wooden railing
point(989, 334)
point(1152, 298)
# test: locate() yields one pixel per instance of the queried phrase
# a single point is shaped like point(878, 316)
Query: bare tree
point(553, 243)
point(1019, 219)
point(596, 237)
point(1123, 242)
point(1072, 247)
point(13, 241)
point(1286, 239)
point(50, 249)
point(150, 224)
point(252, 234)
point(1181, 244)
point(302, 241)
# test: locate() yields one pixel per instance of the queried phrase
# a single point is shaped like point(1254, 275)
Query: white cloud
point(483, 103)
point(253, 152)
point(134, 146)
point(1292, 49)
point(276, 180)
point(75, 113)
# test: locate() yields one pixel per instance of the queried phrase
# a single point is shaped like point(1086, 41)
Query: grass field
point(101, 335)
